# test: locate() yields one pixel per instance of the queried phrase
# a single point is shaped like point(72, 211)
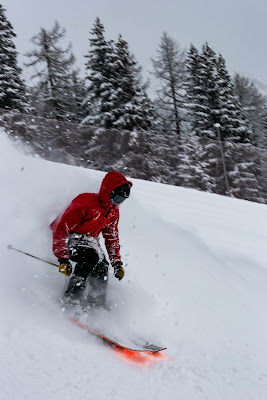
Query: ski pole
point(10, 247)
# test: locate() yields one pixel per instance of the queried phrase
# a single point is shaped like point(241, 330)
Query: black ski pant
point(91, 267)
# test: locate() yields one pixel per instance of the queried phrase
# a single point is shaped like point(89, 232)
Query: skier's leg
point(98, 282)
point(90, 261)
point(85, 259)
point(98, 276)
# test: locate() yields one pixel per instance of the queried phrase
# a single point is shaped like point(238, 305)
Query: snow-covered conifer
point(229, 113)
point(132, 108)
point(209, 90)
point(211, 98)
point(116, 98)
point(98, 73)
point(254, 105)
point(196, 101)
point(12, 88)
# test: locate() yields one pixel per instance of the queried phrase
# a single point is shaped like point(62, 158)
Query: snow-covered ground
point(196, 282)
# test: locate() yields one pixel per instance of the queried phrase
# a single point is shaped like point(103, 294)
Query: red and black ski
point(146, 347)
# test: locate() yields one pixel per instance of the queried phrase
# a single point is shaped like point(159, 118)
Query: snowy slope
point(196, 282)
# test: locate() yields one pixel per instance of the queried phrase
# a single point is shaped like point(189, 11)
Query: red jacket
point(91, 213)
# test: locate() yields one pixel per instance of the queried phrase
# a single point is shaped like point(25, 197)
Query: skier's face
point(120, 194)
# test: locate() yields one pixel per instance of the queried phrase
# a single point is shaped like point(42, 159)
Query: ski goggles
point(120, 194)
point(118, 199)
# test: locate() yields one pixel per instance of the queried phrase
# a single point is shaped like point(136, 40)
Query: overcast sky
point(235, 28)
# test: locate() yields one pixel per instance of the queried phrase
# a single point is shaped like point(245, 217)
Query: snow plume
point(195, 282)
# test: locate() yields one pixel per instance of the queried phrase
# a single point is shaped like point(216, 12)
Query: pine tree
point(169, 69)
point(202, 104)
point(196, 101)
point(211, 100)
point(98, 75)
point(201, 91)
point(55, 74)
point(242, 172)
point(229, 113)
point(116, 98)
point(195, 163)
point(12, 89)
point(208, 82)
point(254, 105)
point(132, 108)
point(211, 97)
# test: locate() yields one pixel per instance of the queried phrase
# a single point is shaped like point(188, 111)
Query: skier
point(76, 238)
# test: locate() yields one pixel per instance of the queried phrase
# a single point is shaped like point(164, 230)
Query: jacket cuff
point(115, 259)
point(63, 260)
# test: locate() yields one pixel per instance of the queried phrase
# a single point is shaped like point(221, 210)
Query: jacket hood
point(111, 181)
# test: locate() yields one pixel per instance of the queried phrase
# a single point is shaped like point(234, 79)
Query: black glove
point(118, 270)
point(64, 266)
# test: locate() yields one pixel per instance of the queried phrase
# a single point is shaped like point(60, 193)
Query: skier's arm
point(112, 243)
point(67, 224)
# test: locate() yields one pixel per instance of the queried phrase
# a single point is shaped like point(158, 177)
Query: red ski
point(146, 347)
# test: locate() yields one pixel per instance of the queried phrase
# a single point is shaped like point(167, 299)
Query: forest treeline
point(107, 114)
